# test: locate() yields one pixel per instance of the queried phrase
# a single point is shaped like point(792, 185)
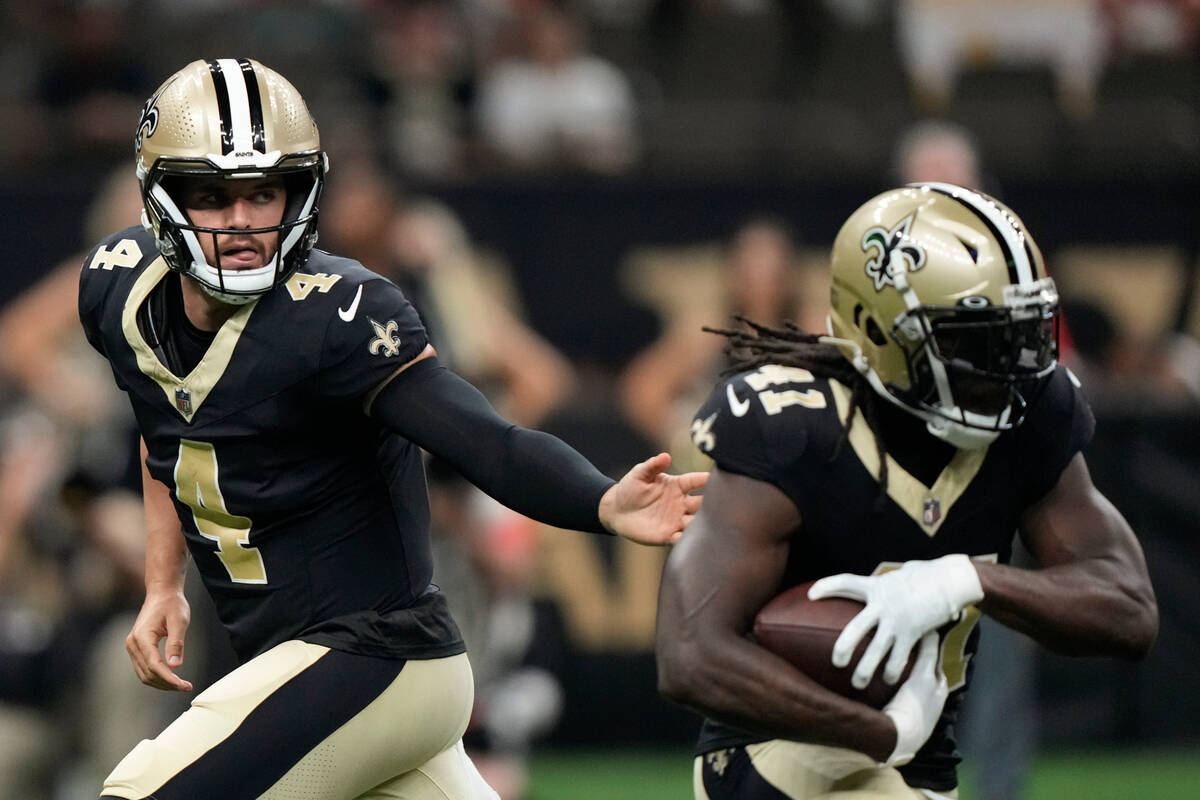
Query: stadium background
point(741, 107)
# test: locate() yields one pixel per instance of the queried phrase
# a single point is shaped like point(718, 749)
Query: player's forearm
point(529, 471)
point(166, 560)
point(166, 548)
point(1098, 606)
point(733, 681)
point(1091, 594)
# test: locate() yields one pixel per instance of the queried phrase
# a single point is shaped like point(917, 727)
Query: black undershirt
point(164, 324)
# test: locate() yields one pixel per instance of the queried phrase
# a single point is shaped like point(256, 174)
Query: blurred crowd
point(460, 88)
point(412, 94)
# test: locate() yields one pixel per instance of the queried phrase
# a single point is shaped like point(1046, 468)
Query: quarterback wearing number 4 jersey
point(284, 396)
point(893, 460)
point(266, 436)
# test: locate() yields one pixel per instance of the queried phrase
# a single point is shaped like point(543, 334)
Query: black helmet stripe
point(239, 103)
point(1010, 255)
point(1033, 262)
point(257, 132)
point(222, 106)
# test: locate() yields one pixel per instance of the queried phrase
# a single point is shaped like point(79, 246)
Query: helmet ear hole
point(858, 309)
point(874, 333)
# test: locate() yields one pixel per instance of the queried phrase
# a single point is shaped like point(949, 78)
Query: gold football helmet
point(232, 118)
point(940, 299)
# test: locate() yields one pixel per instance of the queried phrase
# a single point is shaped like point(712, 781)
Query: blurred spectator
point(470, 313)
point(485, 557)
point(938, 39)
point(33, 607)
point(422, 74)
point(70, 578)
point(739, 50)
point(45, 353)
point(71, 555)
point(93, 83)
point(1183, 353)
point(1127, 373)
point(551, 104)
point(25, 34)
point(941, 151)
point(617, 13)
point(1153, 27)
point(757, 277)
point(480, 313)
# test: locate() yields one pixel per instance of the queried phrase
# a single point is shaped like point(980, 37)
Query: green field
point(623, 775)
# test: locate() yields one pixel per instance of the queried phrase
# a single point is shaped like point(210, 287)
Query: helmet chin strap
point(948, 430)
point(961, 436)
point(225, 297)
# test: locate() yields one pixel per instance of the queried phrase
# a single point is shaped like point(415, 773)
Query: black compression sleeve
point(529, 471)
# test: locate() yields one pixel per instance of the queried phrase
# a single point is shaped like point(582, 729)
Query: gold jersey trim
point(914, 497)
point(186, 394)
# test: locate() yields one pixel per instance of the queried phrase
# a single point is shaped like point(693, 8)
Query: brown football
point(802, 632)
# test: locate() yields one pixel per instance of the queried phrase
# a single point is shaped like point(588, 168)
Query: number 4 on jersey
point(196, 487)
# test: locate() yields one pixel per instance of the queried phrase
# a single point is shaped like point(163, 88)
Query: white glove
point(918, 703)
point(902, 606)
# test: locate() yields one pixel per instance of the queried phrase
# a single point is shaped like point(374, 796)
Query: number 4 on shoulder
point(126, 253)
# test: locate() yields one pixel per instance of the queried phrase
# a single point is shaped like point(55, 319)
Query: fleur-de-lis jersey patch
point(387, 341)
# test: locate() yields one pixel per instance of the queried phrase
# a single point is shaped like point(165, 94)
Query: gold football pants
point(784, 770)
point(302, 720)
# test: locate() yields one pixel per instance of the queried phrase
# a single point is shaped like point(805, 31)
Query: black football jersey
point(305, 518)
point(785, 426)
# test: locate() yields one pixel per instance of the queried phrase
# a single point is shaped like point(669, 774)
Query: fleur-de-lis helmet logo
point(892, 252)
point(149, 120)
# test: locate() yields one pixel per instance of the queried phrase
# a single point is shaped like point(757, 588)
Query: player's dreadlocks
point(755, 344)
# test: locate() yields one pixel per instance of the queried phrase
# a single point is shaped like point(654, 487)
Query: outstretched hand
point(648, 506)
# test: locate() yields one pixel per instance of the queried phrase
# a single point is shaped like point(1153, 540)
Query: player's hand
point(163, 616)
point(918, 702)
point(901, 606)
point(648, 506)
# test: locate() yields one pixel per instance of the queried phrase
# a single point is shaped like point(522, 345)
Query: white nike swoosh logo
point(347, 314)
point(738, 407)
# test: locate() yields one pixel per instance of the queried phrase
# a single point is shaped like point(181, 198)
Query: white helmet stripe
point(239, 104)
point(1002, 225)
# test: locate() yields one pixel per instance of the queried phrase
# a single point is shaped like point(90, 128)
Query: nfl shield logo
point(183, 400)
point(932, 511)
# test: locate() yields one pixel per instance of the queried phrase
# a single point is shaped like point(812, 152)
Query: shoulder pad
point(107, 273)
point(1059, 424)
point(371, 329)
point(757, 420)
point(131, 248)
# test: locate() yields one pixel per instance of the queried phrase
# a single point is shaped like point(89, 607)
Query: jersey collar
point(928, 506)
point(184, 394)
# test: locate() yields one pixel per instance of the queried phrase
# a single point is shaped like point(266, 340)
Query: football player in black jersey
point(894, 460)
point(283, 395)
